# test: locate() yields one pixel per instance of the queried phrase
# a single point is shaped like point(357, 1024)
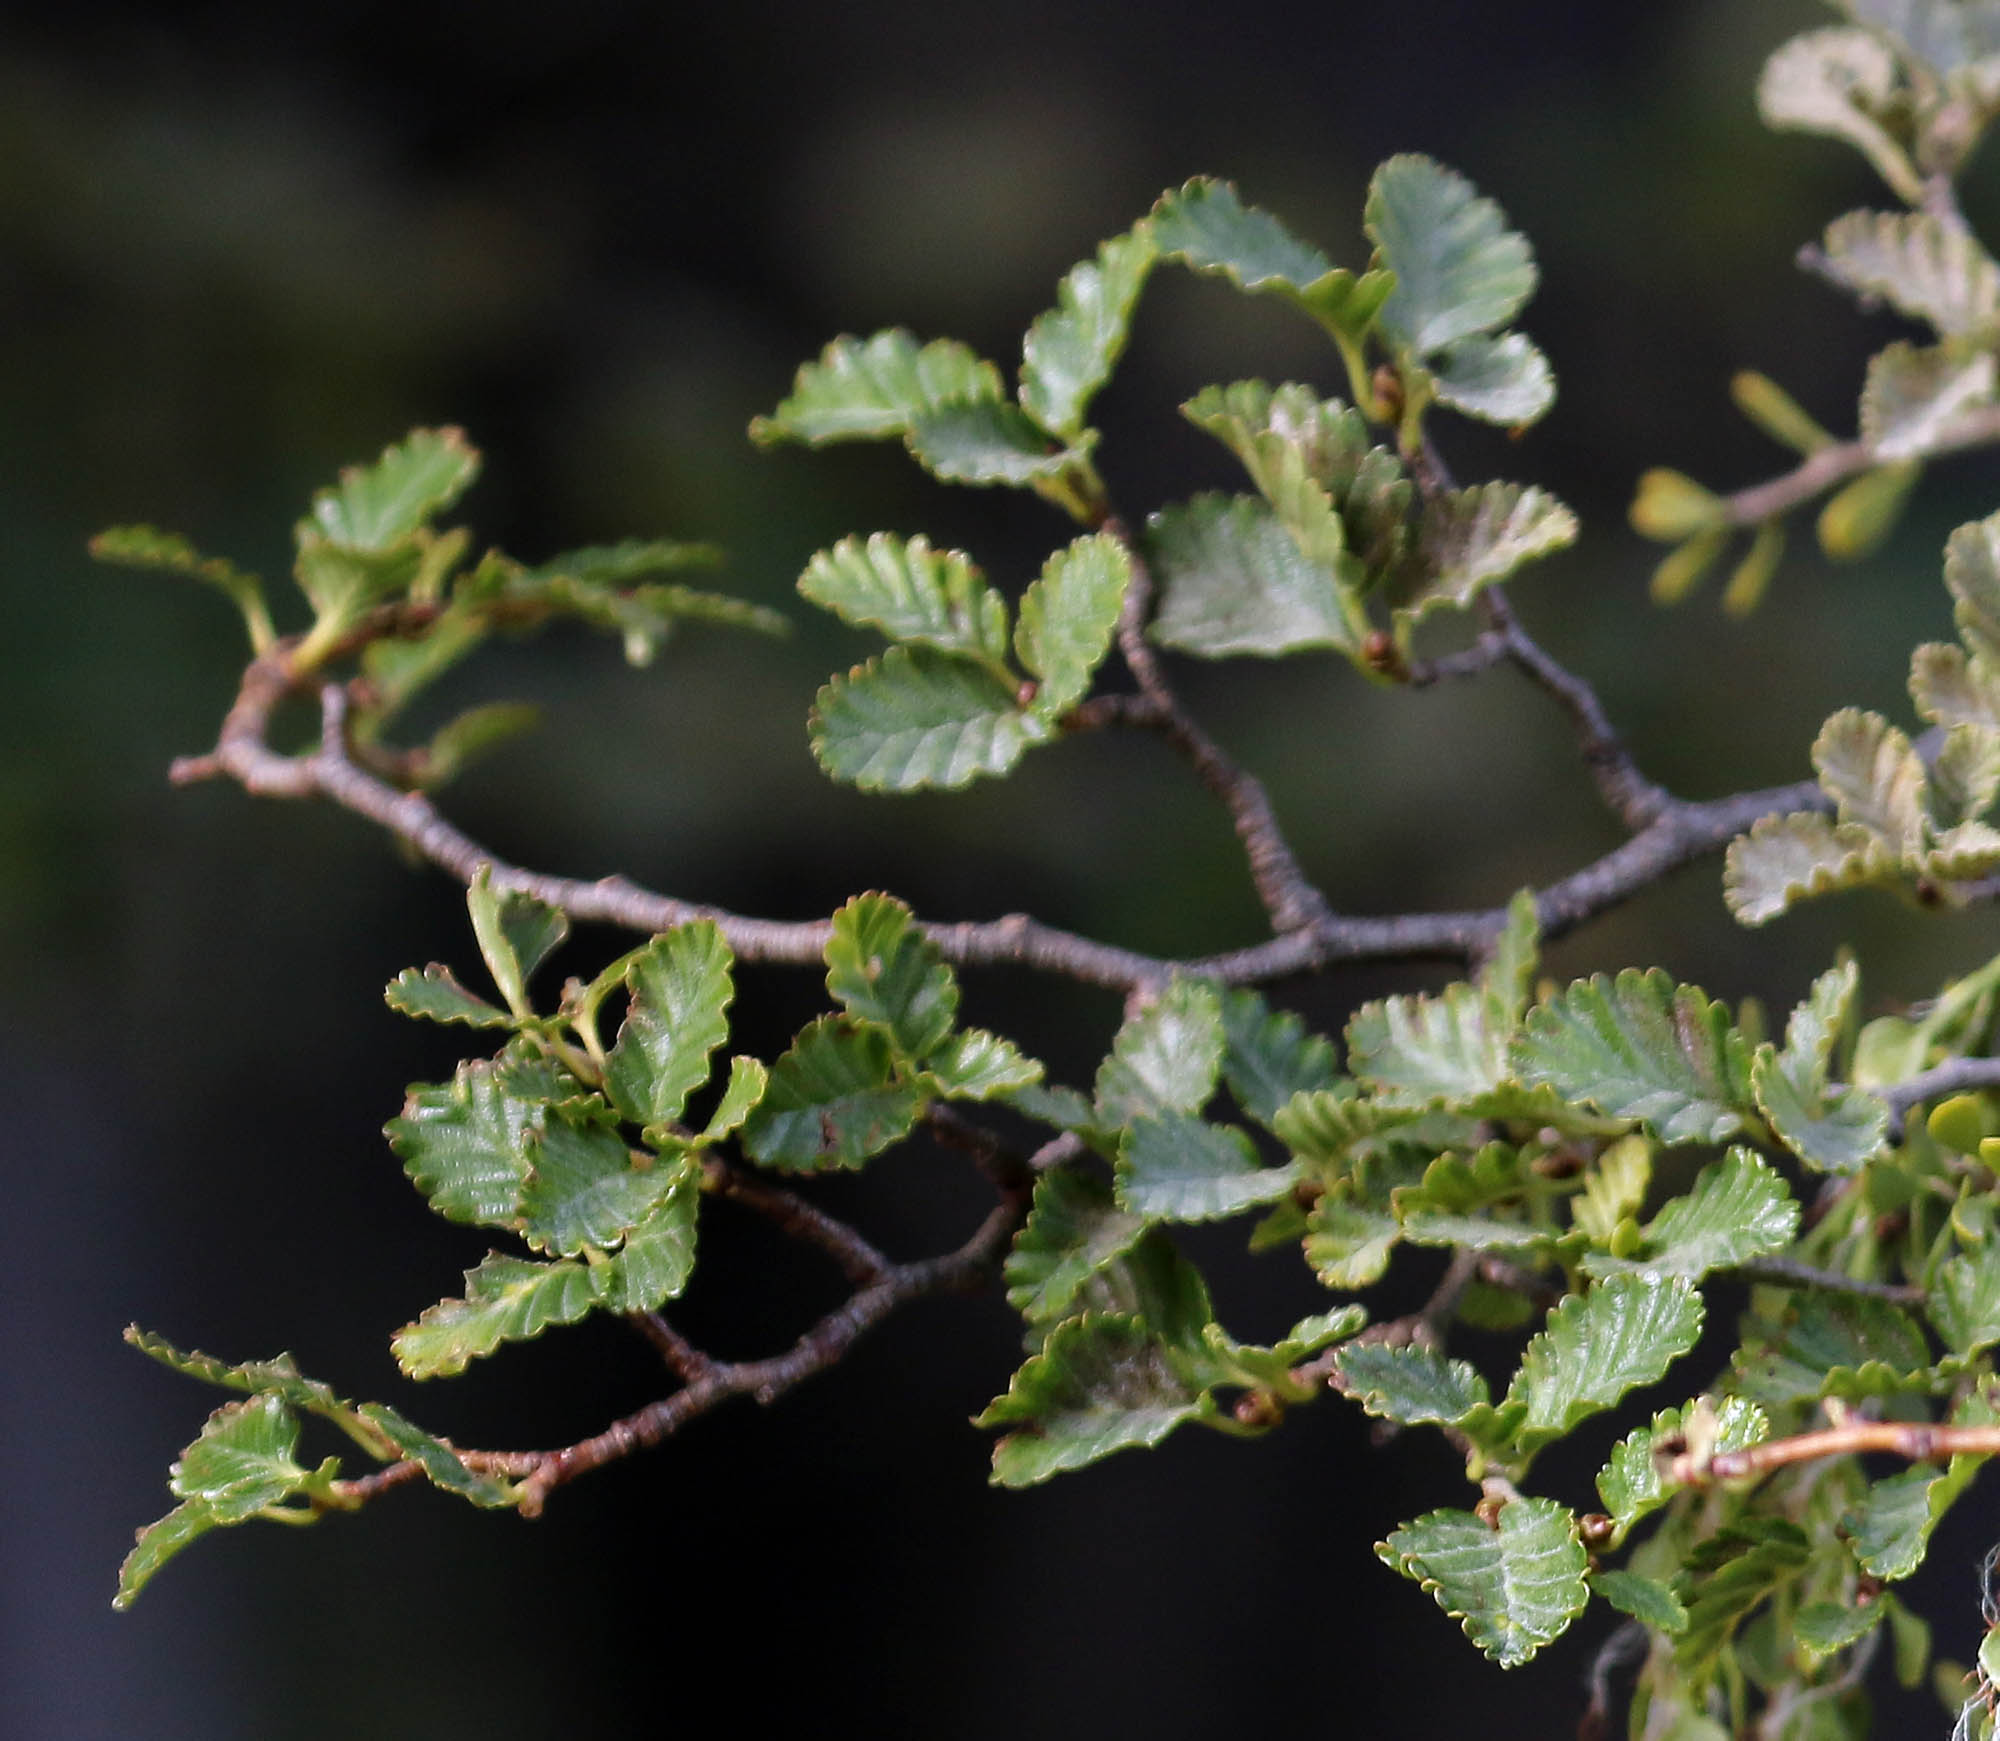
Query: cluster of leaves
point(1913, 85)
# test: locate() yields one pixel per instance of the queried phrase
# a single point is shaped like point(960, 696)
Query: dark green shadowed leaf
point(1234, 580)
point(507, 1299)
point(881, 969)
point(1177, 1168)
point(441, 1464)
point(169, 553)
point(917, 718)
point(1734, 1573)
point(1832, 1345)
point(1646, 1600)
point(863, 389)
point(1269, 1056)
point(584, 1186)
point(1459, 269)
point(1740, 1208)
point(1068, 615)
point(657, 1258)
point(434, 994)
point(1965, 1300)
point(1071, 349)
point(833, 1100)
point(464, 1144)
point(1515, 1584)
point(1072, 1232)
point(1166, 1058)
point(913, 593)
point(680, 992)
point(375, 507)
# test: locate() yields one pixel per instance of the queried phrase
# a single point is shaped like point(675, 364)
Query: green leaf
point(1746, 1563)
point(464, 1144)
point(1413, 1049)
point(1234, 580)
point(976, 1065)
point(441, 1464)
point(1913, 396)
point(467, 736)
point(1832, 1345)
point(1411, 1385)
point(1786, 859)
point(679, 1013)
point(1632, 1484)
point(745, 1087)
point(1067, 619)
point(1840, 83)
point(1916, 263)
point(1468, 540)
point(1102, 1384)
point(1459, 269)
point(1177, 1168)
point(507, 1299)
point(434, 995)
point(516, 934)
point(1613, 1189)
point(279, 1376)
point(157, 1543)
point(985, 441)
point(1951, 689)
point(1596, 1346)
point(1740, 1208)
point(1349, 1245)
point(1972, 574)
point(1964, 1300)
point(376, 507)
point(1206, 226)
point(882, 969)
point(833, 1101)
point(1072, 348)
point(242, 1463)
point(1642, 1047)
point(935, 598)
point(1166, 1057)
point(1891, 1532)
point(1837, 1132)
point(1824, 1629)
point(1874, 776)
point(657, 1258)
point(1072, 1232)
point(1646, 1600)
point(863, 389)
point(617, 565)
point(1153, 1283)
point(1515, 1584)
point(169, 553)
point(1268, 1056)
point(916, 718)
point(584, 1186)
point(1504, 380)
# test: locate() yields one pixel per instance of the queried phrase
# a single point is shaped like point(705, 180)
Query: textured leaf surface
point(1641, 1047)
point(860, 389)
point(1418, 1048)
point(976, 1065)
point(1459, 269)
point(1646, 1600)
point(463, 1144)
point(1349, 1244)
point(1839, 83)
point(157, 1543)
point(1913, 396)
point(584, 1186)
point(1177, 1168)
point(679, 1013)
point(1915, 263)
point(657, 1258)
point(1965, 1300)
point(243, 1460)
point(911, 592)
point(441, 1464)
point(1598, 1345)
point(1166, 1058)
point(1870, 770)
point(1784, 859)
point(984, 441)
point(1503, 380)
point(1470, 539)
point(1102, 1384)
point(881, 969)
point(1837, 1132)
point(833, 1100)
point(1269, 1056)
point(1072, 1232)
point(1208, 227)
point(507, 1299)
point(1071, 349)
point(1067, 618)
point(1412, 1384)
point(1514, 1585)
point(1632, 1484)
point(1740, 1208)
point(916, 718)
point(1234, 580)
point(434, 995)
point(1832, 1345)
point(377, 506)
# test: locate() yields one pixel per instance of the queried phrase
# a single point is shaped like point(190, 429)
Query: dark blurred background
point(241, 245)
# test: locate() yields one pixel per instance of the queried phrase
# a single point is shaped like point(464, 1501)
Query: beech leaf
point(679, 1013)
point(860, 389)
point(834, 1100)
point(915, 718)
point(1459, 269)
point(1514, 1584)
point(912, 593)
point(1072, 348)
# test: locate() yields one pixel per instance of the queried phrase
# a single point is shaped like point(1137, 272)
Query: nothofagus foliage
point(1511, 1130)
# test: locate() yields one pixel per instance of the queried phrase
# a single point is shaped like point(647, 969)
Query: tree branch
point(1955, 1076)
point(1919, 1441)
point(1820, 471)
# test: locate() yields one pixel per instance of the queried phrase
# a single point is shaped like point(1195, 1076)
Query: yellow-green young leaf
point(1734, 1572)
point(915, 718)
point(157, 1543)
point(1068, 615)
point(1504, 379)
point(1613, 1189)
point(434, 995)
point(1854, 523)
point(169, 553)
point(441, 1465)
point(1459, 269)
point(1832, 1345)
point(1777, 413)
point(1165, 1058)
point(1177, 1168)
point(1681, 570)
point(864, 389)
point(911, 592)
point(507, 1299)
point(1632, 1484)
point(1840, 83)
point(977, 1065)
point(1101, 1384)
point(1972, 573)
point(1912, 396)
point(1750, 579)
point(1514, 1584)
point(1469, 539)
point(1622, 1333)
point(880, 968)
point(1411, 1049)
point(1348, 1245)
point(1234, 580)
point(516, 934)
point(1268, 1056)
point(679, 1013)
point(986, 441)
point(1949, 688)
point(1671, 506)
point(464, 1144)
point(834, 1100)
point(376, 507)
point(1740, 1208)
point(1784, 859)
point(1965, 777)
point(1915, 262)
point(1072, 348)
point(1647, 1600)
point(584, 1186)
point(1641, 1047)
point(1073, 1231)
point(1874, 775)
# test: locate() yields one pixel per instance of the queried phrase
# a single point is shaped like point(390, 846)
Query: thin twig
point(684, 1360)
point(1918, 1441)
point(1956, 1076)
point(1802, 1275)
point(793, 1216)
point(1820, 471)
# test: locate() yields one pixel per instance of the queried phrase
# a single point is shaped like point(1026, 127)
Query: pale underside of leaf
point(1785, 859)
point(1918, 264)
point(1234, 580)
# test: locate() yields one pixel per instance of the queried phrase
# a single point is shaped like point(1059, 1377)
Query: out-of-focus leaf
point(376, 507)
point(1459, 269)
point(1470, 539)
point(985, 441)
point(1072, 348)
point(1647, 1600)
point(1234, 580)
point(859, 389)
point(1178, 1168)
point(1840, 83)
point(1786, 859)
point(1165, 1058)
point(1917, 263)
point(1504, 379)
point(433, 994)
point(1912, 396)
point(1269, 1056)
